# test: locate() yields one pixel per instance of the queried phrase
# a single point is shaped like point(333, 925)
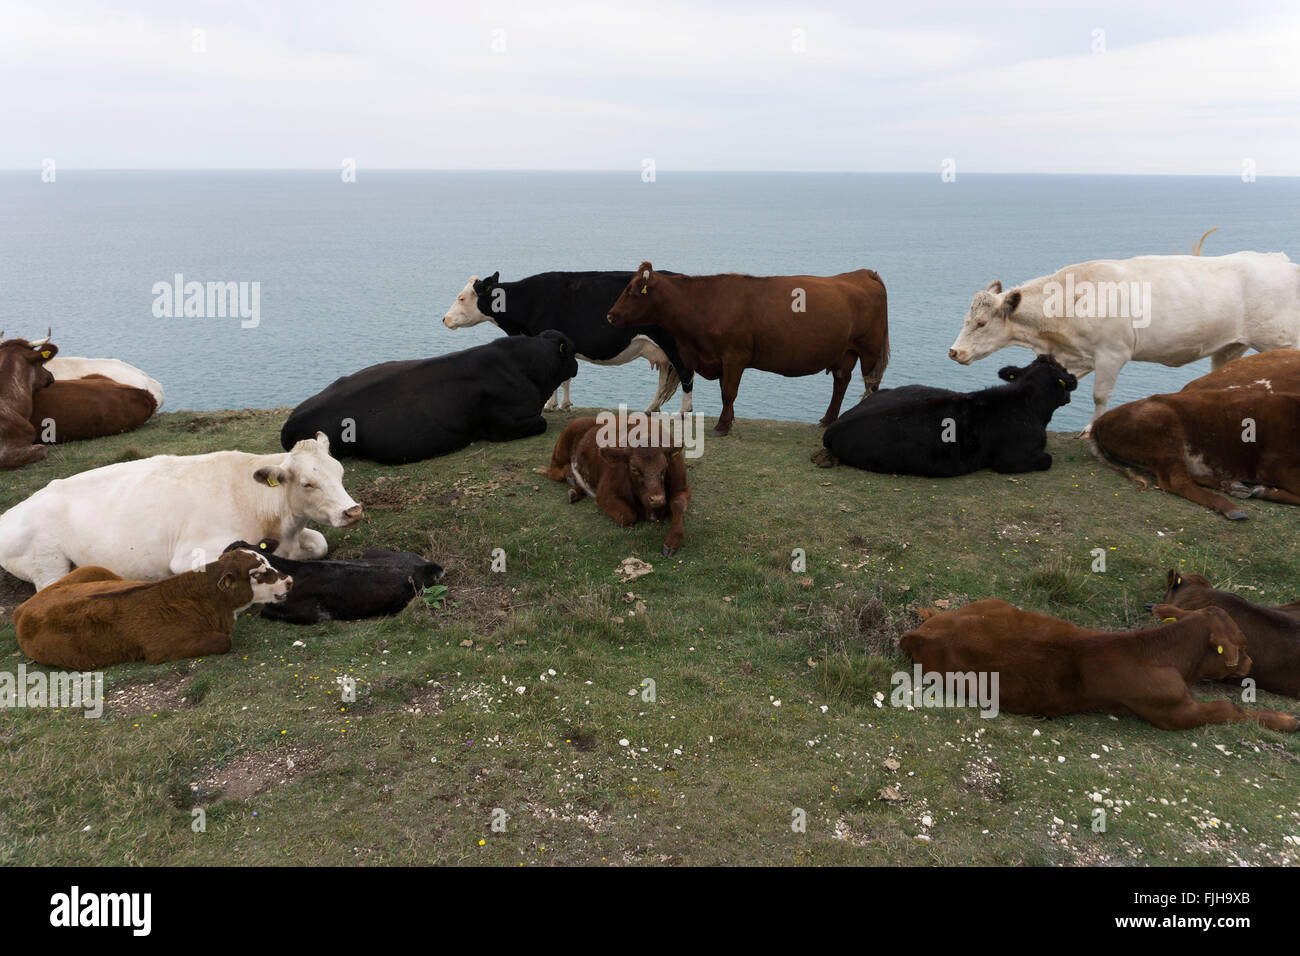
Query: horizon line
point(621, 171)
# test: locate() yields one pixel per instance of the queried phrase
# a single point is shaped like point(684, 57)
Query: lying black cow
point(376, 584)
point(576, 304)
point(919, 430)
point(400, 412)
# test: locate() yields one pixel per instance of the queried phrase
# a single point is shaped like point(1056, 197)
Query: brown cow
point(791, 325)
point(628, 482)
point(1272, 632)
point(1241, 441)
point(91, 407)
point(1048, 668)
point(1277, 370)
point(91, 618)
point(22, 374)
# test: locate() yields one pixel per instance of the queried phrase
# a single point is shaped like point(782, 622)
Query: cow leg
point(842, 374)
point(668, 382)
point(1226, 355)
point(312, 546)
point(1190, 712)
point(1105, 374)
point(553, 402)
point(688, 396)
point(1177, 481)
point(730, 387)
point(676, 530)
point(566, 403)
point(510, 429)
point(198, 645)
point(20, 455)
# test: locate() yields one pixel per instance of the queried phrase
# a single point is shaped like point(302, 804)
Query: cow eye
point(981, 323)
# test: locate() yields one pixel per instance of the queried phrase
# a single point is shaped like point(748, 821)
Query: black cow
point(377, 584)
point(400, 412)
point(576, 304)
point(919, 430)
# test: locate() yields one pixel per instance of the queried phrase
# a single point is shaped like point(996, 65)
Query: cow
point(920, 430)
point(1272, 632)
point(1277, 370)
point(1242, 441)
point(68, 367)
point(1096, 316)
point(91, 407)
point(400, 412)
point(22, 376)
point(574, 303)
point(148, 518)
point(629, 479)
point(92, 618)
point(1048, 668)
point(377, 584)
point(791, 325)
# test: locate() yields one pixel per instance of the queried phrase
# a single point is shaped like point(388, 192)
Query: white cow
point(1096, 316)
point(167, 514)
point(69, 367)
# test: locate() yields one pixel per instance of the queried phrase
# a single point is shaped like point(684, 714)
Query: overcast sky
point(997, 87)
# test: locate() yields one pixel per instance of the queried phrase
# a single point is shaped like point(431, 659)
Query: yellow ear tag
point(1219, 648)
point(272, 481)
point(1178, 580)
point(644, 289)
point(1061, 382)
point(262, 545)
point(1169, 620)
point(45, 354)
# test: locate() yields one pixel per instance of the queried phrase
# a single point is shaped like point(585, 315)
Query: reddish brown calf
point(628, 483)
point(78, 409)
point(1048, 667)
point(22, 374)
point(1273, 632)
point(91, 618)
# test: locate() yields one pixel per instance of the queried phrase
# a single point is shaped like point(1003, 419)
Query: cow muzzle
point(350, 517)
point(960, 356)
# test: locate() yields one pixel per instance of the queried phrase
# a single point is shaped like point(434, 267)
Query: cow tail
point(671, 381)
point(1140, 480)
point(871, 379)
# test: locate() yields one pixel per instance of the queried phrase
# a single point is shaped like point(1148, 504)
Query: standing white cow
point(1096, 316)
point(68, 367)
point(164, 515)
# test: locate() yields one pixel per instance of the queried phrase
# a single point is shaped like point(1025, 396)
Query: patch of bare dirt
point(386, 493)
point(254, 773)
point(985, 778)
point(149, 697)
point(204, 422)
point(427, 700)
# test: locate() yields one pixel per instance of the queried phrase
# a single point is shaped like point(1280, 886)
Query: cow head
point(1191, 591)
point(988, 324)
point(1224, 652)
point(473, 304)
point(1045, 369)
point(565, 356)
point(312, 481)
point(27, 361)
point(636, 304)
point(647, 473)
point(248, 578)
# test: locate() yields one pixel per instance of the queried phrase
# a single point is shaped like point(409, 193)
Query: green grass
point(713, 770)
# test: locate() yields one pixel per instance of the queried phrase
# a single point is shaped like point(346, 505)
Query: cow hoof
point(824, 458)
point(1150, 605)
point(668, 552)
point(566, 406)
point(719, 433)
point(1237, 515)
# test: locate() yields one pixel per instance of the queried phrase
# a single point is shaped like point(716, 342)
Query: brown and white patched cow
point(22, 374)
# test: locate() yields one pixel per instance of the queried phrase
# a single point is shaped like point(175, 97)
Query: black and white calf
point(919, 430)
point(377, 584)
point(575, 303)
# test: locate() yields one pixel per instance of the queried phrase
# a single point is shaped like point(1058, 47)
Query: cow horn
point(43, 341)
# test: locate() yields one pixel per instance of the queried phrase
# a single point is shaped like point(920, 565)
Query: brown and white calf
point(1047, 667)
point(91, 618)
point(629, 482)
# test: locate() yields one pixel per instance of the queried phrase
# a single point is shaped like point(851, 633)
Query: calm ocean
point(357, 273)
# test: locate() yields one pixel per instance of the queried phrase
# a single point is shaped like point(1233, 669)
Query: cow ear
point(267, 545)
point(47, 352)
point(614, 453)
point(1010, 301)
point(227, 581)
point(1168, 612)
point(994, 286)
point(1008, 373)
point(323, 440)
point(271, 477)
point(1173, 579)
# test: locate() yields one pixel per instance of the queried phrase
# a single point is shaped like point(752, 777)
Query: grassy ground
point(524, 694)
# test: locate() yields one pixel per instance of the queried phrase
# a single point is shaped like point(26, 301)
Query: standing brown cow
point(22, 373)
point(1272, 632)
point(791, 325)
point(1049, 668)
point(91, 407)
point(628, 482)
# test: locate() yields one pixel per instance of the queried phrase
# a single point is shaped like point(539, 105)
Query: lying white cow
point(69, 367)
point(167, 514)
point(1095, 316)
